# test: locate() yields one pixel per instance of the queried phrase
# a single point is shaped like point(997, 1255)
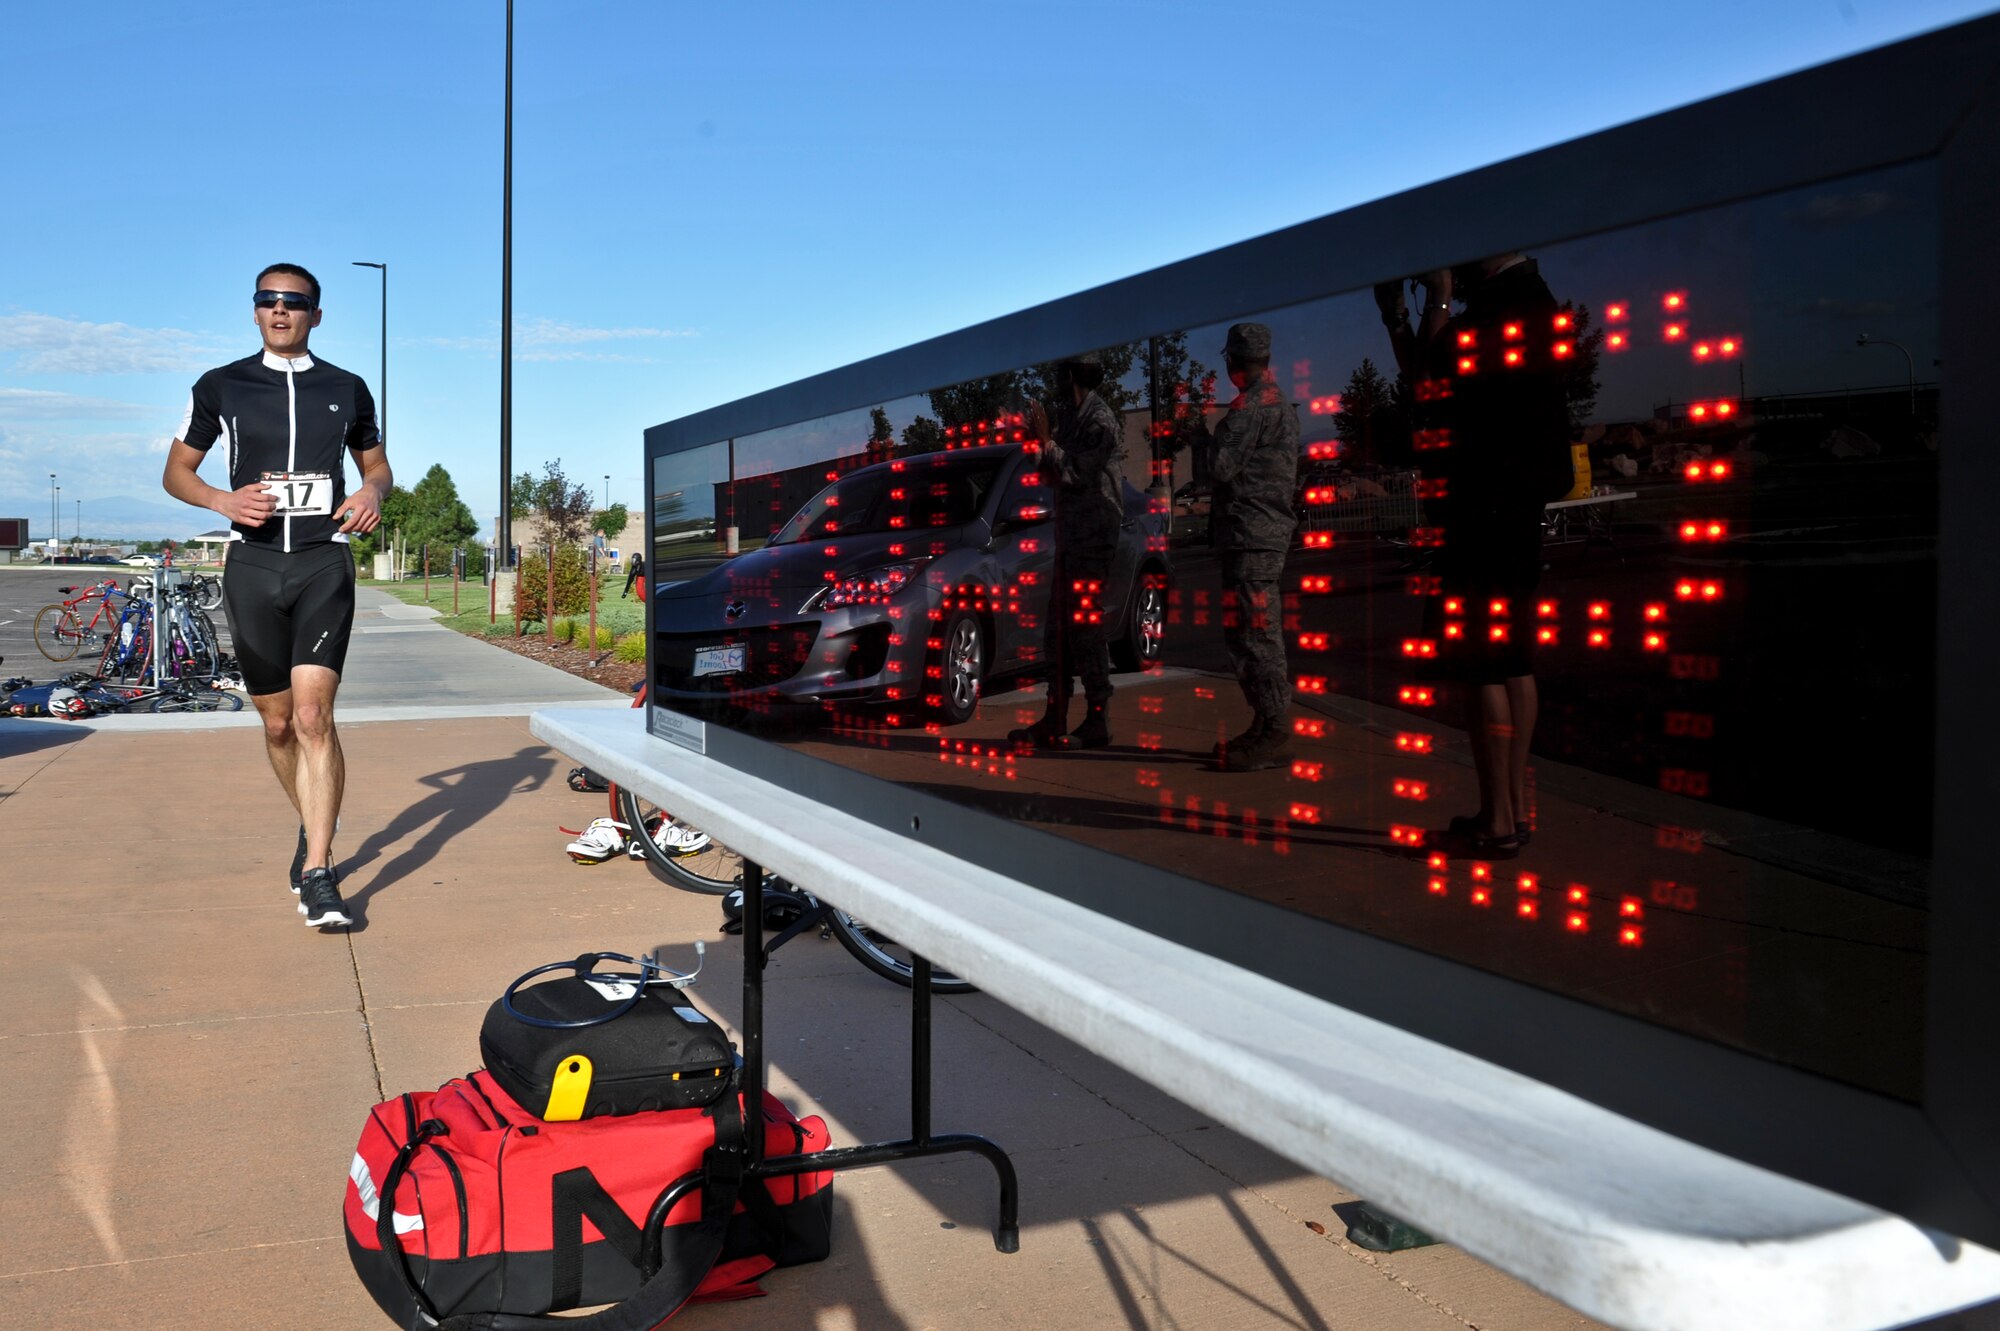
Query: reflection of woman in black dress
point(1503, 452)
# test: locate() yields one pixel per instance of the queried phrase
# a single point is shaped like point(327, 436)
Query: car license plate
point(718, 660)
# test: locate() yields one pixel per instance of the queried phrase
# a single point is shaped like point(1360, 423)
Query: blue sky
point(710, 201)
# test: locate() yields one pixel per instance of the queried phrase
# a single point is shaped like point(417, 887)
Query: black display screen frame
point(1932, 97)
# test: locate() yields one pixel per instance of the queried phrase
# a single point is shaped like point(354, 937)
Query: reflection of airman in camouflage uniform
point(1082, 459)
point(1254, 461)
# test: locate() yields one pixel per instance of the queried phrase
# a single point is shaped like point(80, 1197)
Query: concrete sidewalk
point(192, 1066)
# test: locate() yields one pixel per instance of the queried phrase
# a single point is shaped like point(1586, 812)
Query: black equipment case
point(555, 1049)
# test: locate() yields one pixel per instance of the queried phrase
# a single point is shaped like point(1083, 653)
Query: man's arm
point(247, 507)
point(361, 512)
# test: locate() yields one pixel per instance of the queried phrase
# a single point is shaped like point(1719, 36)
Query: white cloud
point(50, 344)
point(31, 404)
point(554, 340)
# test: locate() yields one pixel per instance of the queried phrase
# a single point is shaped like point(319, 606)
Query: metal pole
point(506, 524)
point(381, 407)
point(592, 649)
point(549, 609)
point(55, 537)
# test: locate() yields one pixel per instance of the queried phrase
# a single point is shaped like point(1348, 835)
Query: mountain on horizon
point(116, 518)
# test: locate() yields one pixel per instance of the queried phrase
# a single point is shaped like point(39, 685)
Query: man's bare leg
point(320, 769)
point(280, 739)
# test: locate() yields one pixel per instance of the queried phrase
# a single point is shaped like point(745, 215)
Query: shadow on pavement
point(19, 736)
point(460, 798)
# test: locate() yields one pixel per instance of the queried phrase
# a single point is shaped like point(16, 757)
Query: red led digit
point(1577, 894)
point(1546, 635)
point(1482, 896)
point(1718, 470)
point(1454, 630)
point(1599, 638)
point(1311, 684)
point(1497, 607)
point(1323, 450)
point(1439, 886)
point(1614, 341)
point(1615, 311)
point(1315, 583)
point(1468, 364)
point(1674, 332)
point(1423, 648)
point(1312, 642)
point(1319, 540)
point(1563, 322)
point(1631, 935)
point(1528, 884)
point(1711, 591)
point(1698, 411)
point(1496, 633)
point(1454, 605)
point(1725, 408)
point(1655, 642)
point(1655, 612)
point(1701, 351)
point(1482, 873)
point(1728, 346)
point(1467, 338)
point(1562, 350)
point(1511, 332)
point(1599, 610)
point(1674, 302)
point(1306, 771)
point(1527, 909)
point(1404, 835)
point(1631, 908)
point(1310, 727)
point(1513, 356)
point(1577, 922)
point(1546, 609)
point(1413, 742)
point(1411, 790)
point(1438, 860)
point(1415, 697)
point(1304, 813)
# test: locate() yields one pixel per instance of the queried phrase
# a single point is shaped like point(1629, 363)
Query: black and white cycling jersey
point(285, 418)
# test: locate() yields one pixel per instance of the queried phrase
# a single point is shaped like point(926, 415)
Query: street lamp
point(55, 540)
point(55, 537)
point(382, 407)
point(77, 535)
point(1866, 341)
point(607, 490)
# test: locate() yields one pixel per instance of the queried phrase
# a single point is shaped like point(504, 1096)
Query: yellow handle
point(569, 1090)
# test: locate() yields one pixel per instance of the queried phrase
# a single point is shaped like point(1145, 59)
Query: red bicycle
point(60, 628)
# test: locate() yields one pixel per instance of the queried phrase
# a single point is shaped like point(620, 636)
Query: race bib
point(300, 493)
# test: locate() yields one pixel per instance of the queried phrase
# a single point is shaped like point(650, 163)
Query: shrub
point(605, 637)
point(631, 647)
point(532, 586)
point(565, 630)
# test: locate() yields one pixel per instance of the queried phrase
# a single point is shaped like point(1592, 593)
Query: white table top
point(1618, 1220)
point(1609, 498)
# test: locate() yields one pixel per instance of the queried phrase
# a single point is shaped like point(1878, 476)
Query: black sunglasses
point(291, 300)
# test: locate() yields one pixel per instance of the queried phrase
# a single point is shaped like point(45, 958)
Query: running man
point(289, 587)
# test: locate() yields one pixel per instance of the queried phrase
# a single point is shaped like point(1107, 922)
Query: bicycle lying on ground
point(695, 862)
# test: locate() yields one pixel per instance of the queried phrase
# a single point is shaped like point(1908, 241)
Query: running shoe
point(678, 840)
point(319, 899)
point(604, 838)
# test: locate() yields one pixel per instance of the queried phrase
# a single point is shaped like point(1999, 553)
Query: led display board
point(1548, 611)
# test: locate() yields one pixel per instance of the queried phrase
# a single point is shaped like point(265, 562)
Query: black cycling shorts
point(288, 610)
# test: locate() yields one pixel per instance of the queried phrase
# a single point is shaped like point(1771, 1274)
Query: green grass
point(621, 615)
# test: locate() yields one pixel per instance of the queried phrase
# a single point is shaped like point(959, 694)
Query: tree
point(564, 508)
point(1182, 396)
point(610, 522)
point(1372, 423)
point(1580, 373)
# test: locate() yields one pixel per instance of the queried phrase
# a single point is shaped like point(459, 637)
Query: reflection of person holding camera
point(1505, 430)
point(1080, 458)
point(1254, 462)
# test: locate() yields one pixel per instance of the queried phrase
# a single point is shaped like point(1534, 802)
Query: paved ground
point(191, 1066)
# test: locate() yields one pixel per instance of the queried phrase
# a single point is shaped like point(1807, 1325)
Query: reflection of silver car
point(906, 583)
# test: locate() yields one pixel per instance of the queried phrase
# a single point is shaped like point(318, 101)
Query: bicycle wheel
point(58, 632)
point(886, 957)
point(197, 700)
point(710, 867)
point(207, 592)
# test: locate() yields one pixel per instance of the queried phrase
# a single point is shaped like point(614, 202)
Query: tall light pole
point(77, 535)
point(505, 527)
point(55, 537)
point(1909, 362)
point(382, 407)
point(607, 490)
point(55, 541)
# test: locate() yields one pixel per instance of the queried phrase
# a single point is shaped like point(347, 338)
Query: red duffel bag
point(463, 1210)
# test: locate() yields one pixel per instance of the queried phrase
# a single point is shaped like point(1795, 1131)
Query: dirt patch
point(610, 672)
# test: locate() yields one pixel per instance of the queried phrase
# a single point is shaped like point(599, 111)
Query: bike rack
point(918, 1145)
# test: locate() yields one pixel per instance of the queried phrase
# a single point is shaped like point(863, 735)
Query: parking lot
point(24, 591)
